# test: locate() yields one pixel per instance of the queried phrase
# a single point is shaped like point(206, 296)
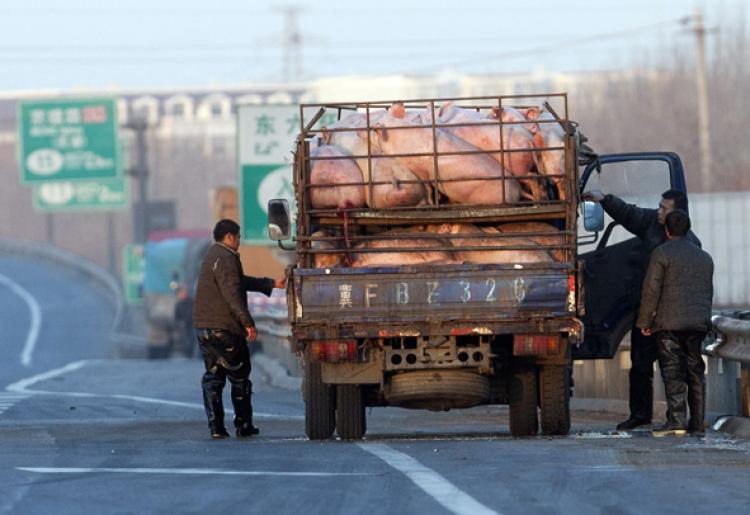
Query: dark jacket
point(640, 221)
point(643, 223)
point(221, 293)
point(678, 289)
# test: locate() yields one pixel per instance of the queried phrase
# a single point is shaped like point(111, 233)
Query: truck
point(453, 334)
point(172, 262)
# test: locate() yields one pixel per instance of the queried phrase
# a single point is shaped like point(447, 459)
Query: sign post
point(133, 269)
point(68, 139)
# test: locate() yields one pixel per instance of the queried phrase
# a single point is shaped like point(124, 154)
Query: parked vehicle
point(449, 300)
point(172, 263)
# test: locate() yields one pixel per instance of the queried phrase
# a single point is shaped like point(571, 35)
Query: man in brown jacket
point(676, 309)
point(224, 326)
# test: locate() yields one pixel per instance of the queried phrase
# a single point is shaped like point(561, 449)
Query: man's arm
point(264, 285)
point(635, 219)
point(651, 293)
point(229, 280)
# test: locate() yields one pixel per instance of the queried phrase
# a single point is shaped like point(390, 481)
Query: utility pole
point(291, 43)
point(704, 136)
point(139, 124)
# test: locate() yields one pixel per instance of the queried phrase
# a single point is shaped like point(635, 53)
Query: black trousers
point(683, 372)
point(643, 355)
point(226, 355)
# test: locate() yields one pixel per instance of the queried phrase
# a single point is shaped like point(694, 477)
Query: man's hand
point(593, 196)
point(646, 331)
point(252, 333)
point(280, 283)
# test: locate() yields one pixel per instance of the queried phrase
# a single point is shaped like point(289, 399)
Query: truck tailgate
point(432, 294)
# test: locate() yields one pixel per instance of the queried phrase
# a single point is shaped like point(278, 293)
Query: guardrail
point(732, 343)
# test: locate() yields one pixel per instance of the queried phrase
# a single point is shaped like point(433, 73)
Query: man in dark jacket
point(676, 309)
point(648, 226)
point(223, 324)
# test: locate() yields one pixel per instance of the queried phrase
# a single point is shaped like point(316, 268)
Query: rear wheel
point(319, 405)
point(554, 399)
point(522, 392)
point(351, 421)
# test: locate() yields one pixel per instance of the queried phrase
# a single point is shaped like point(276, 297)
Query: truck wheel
point(351, 421)
point(319, 406)
point(522, 392)
point(554, 399)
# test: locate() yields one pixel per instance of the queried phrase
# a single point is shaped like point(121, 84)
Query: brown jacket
point(678, 289)
point(221, 293)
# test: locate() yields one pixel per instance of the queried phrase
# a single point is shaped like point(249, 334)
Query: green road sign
point(266, 136)
point(133, 268)
point(104, 195)
point(72, 139)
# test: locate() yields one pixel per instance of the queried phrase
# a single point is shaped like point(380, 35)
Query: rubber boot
point(243, 408)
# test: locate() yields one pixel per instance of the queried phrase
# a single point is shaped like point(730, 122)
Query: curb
point(737, 427)
point(277, 374)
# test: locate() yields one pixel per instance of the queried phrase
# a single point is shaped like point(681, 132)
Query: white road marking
point(433, 484)
point(22, 387)
point(184, 471)
point(8, 400)
point(36, 318)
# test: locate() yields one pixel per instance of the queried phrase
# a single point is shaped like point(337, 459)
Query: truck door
point(615, 260)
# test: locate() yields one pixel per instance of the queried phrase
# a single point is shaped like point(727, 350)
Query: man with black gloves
point(224, 327)
point(648, 226)
point(676, 310)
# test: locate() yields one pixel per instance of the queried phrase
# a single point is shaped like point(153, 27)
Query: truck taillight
point(334, 351)
point(536, 344)
point(571, 292)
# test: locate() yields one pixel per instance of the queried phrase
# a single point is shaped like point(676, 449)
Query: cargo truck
point(457, 333)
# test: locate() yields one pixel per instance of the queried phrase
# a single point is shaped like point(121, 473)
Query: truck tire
point(522, 393)
point(319, 406)
point(554, 399)
point(351, 421)
point(438, 390)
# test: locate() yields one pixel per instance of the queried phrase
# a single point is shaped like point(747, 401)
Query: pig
point(470, 235)
point(334, 176)
point(550, 135)
point(552, 235)
point(325, 260)
point(436, 251)
point(396, 135)
point(394, 185)
point(484, 133)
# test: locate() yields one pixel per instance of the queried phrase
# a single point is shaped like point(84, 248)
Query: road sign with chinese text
point(106, 194)
point(71, 139)
point(266, 135)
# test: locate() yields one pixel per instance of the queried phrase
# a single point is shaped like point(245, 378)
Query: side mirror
point(278, 219)
point(593, 216)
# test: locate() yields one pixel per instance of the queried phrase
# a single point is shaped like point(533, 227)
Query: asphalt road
point(81, 432)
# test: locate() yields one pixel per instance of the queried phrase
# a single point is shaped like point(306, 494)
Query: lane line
point(433, 484)
point(184, 471)
point(36, 317)
point(22, 387)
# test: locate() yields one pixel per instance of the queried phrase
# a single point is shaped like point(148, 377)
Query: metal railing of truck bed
point(345, 228)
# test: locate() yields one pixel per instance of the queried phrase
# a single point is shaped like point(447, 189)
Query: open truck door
point(614, 261)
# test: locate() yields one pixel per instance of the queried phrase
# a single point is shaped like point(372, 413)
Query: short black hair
point(679, 198)
point(677, 223)
point(224, 227)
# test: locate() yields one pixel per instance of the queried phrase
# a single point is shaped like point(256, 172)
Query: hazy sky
point(144, 43)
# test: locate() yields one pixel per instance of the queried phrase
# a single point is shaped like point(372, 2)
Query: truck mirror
point(593, 216)
point(278, 219)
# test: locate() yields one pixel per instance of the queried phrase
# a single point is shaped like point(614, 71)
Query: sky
point(91, 44)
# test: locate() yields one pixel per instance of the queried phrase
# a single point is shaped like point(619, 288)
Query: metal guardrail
point(732, 342)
